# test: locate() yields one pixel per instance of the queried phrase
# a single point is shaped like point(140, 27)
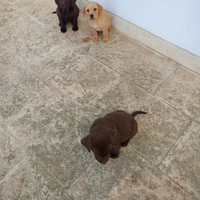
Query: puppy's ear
point(112, 135)
point(83, 10)
point(86, 141)
point(72, 2)
point(100, 8)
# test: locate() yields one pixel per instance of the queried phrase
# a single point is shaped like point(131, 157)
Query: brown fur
point(98, 18)
point(67, 11)
point(109, 133)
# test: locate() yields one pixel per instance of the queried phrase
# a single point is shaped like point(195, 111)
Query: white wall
point(176, 21)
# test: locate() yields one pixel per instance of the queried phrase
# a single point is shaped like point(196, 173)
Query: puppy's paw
point(75, 28)
point(124, 144)
point(114, 154)
point(105, 40)
point(95, 38)
point(63, 29)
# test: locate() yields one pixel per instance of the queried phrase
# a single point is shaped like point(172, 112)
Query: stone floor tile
point(183, 162)
point(48, 129)
point(8, 69)
point(130, 177)
point(11, 1)
point(20, 90)
point(85, 118)
point(182, 90)
point(143, 66)
point(91, 47)
point(31, 41)
point(158, 130)
point(9, 14)
point(10, 153)
point(32, 181)
point(80, 77)
point(36, 9)
point(51, 118)
point(53, 86)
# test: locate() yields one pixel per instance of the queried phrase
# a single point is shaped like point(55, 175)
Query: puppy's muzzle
point(91, 16)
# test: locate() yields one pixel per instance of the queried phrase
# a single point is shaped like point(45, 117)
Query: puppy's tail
point(54, 12)
point(138, 112)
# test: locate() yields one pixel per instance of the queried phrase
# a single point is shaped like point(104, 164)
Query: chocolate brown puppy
point(109, 133)
point(67, 11)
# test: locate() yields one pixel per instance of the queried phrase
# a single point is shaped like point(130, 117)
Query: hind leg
point(124, 144)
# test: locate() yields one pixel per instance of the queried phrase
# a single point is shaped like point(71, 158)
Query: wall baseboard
point(159, 45)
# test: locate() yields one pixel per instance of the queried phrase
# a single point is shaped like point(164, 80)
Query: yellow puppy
point(98, 19)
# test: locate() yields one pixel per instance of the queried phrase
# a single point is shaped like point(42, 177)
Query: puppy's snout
point(91, 16)
point(62, 4)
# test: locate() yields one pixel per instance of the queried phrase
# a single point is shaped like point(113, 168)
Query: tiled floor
point(53, 86)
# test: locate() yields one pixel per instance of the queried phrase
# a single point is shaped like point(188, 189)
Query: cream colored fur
point(100, 21)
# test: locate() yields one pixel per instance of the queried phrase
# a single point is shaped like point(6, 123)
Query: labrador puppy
point(98, 19)
point(67, 11)
point(109, 133)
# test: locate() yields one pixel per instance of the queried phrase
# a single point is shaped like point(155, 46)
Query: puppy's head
point(65, 4)
point(92, 10)
point(100, 142)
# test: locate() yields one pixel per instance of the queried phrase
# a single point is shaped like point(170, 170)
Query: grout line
point(52, 175)
point(174, 107)
point(18, 20)
point(12, 3)
point(73, 195)
point(161, 84)
point(33, 18)
point(29, 104)
point(14, 169)
point(103, 92)
point(179, 138)
point(52, 87)
point(92, 161)
point(28, 15)
point(29, 154)
point(190, 70)
point(18, 141)
point(107, 66)
point(162, 172)
point(94, 55)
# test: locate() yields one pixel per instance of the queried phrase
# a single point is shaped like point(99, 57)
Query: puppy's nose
point(62, 4)
point(91, 16)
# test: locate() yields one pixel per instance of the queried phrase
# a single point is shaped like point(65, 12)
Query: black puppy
point(67, 11)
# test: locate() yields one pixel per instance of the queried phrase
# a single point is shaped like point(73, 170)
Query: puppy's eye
point(95, 9)
point(87, 10)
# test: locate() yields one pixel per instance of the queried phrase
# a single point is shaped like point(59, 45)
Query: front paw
point(63, 29)
point(75, 28)
point(105, 40)
point(114, 154)
point(95, 38)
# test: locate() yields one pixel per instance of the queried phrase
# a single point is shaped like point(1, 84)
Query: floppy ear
point(100, 8)
point(83, 11)
point(56, 2)
point(73, 3)
point(86, 141)
point(112, 135)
